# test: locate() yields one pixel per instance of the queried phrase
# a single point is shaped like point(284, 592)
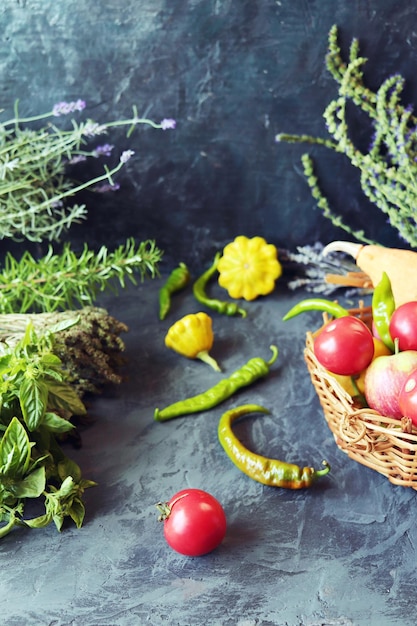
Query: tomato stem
point(164, 510)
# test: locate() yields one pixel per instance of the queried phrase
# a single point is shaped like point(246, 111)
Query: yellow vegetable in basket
point(399, 265)
point(192, 336)
point(249, 268)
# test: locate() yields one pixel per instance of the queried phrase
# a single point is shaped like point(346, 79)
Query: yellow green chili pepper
point(220, 306)
point(253, 370)
point(192, 336)
point(383, 306)
point(177, 280)
point(316, 304)
point(267, 471)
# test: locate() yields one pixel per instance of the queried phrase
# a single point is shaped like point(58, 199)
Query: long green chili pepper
point(246, 375)
point(264, 470)
point(220, 306)
point(316, 304)
point(177, 280)
point(383, 306)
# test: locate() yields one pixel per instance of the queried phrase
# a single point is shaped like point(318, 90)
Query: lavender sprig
point(34, 183)
point(307, 268)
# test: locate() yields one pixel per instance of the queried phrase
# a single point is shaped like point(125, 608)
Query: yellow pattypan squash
point(249, 268)
point(192, 336)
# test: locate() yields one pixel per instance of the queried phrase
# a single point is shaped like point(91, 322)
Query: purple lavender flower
point(92, 128)
point(126, 155)
point(106, 187)
point(168, 124)
point(104, 150)
point(78, 158)
point(63, 108)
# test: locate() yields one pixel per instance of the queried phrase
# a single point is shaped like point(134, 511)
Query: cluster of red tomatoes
point(346, 347)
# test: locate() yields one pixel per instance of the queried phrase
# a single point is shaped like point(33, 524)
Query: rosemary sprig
point(388, 170)
point(61, 281)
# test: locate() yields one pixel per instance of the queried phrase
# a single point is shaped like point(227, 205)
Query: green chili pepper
point(220, 306)
point(249, 373)
point(383, 306)
point(316, 304)
point(264, 470)
point(177, 280)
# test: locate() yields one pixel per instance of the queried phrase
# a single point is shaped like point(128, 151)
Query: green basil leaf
point(33, 397)
point(32, 485)
point(63, 396)
point(68, 467)
point(29, 336)
point(67, 489)
point(51, 365)
point(5, 361)
point(39, 522)
point(14, 450)
point(64, 324)
point(55, 423)
point(50, 359)
point(58, 519)
point(77, 512)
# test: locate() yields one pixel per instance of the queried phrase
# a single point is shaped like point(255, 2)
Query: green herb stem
point(388, 170)
point(59, 281)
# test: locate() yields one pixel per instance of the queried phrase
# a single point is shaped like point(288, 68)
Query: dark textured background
point(232, 74)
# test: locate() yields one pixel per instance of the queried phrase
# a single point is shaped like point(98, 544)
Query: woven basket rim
point(384, 444)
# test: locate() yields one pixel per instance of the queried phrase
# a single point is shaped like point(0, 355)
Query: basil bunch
point(36, 405)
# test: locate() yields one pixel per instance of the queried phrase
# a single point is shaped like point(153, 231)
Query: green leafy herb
point(58, 281)
point(35, 406)
point(388, 170)
point(87, 341)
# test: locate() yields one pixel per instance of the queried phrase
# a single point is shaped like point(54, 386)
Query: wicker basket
point(386, 445)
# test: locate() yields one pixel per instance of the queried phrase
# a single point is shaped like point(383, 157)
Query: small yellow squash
point(192, 336)
point(249, 268)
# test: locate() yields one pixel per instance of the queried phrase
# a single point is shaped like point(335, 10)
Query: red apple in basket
point(384, 379)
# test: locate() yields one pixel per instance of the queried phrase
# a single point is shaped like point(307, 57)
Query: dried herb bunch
point(87, 341)
point(34, 163)
point(388, 170)
point(307, 268)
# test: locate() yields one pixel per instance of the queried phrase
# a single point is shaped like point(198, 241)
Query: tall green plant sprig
point(388, 170)
point(66, 280)
point(34, 182)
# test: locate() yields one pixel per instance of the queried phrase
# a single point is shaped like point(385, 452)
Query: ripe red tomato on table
point(403, 326)
point(345, 346)
point(194, 522)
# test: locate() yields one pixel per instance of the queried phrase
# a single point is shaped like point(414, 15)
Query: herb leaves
point(36, 407)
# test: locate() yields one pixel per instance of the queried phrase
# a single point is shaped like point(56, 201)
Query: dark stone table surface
point(342, 553)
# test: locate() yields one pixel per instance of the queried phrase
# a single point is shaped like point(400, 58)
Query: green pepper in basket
point(316, 304)
point(383, 306)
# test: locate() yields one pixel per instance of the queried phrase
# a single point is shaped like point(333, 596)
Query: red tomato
point(345, 346)
point(403, 326)
point(194, 522)
point(408, 397)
